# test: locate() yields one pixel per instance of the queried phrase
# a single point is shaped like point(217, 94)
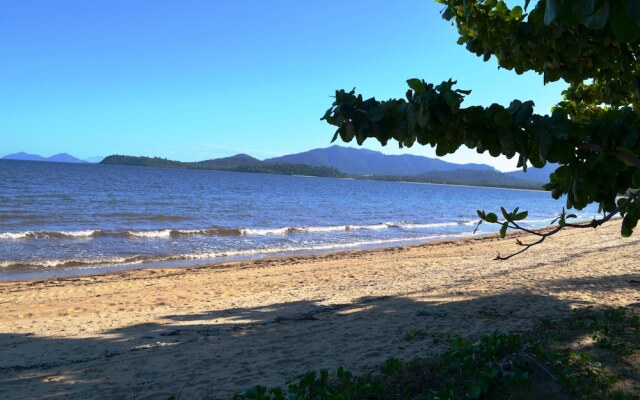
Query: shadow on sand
point(216, 354)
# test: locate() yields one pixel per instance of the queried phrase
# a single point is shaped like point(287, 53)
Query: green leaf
point(503, 119)
point(583, 8)
point(377, 113)
point(503, 230)
point(632, 8)
point(516, 12)
point(635, 180)
point(324, 375)
point(627, 225)
point(422, 116)
point(505, 214)
point(417, 85)
point(551, 11)
point(622, 24)
point(450, 99)
point(477, 226)
point(545, 141)
point(335, 136)
point(475, 392)
point(599, 18)
point(521, 216)
point(631, 156)
point(491, 218)
point(501, 7)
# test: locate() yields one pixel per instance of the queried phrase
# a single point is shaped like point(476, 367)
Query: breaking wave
point(219, 231)
point(245, 253)
point(50, 234)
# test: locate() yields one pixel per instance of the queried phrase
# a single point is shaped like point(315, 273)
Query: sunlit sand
point(216, 330)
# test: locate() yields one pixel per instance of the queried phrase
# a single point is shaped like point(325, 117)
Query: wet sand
point(212, 331)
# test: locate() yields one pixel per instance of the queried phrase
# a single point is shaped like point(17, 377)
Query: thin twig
point(543, 235)
point(597, 222)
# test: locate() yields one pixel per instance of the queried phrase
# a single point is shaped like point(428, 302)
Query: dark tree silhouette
point(593, 134)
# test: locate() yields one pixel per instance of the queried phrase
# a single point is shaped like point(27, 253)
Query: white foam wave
point(84, 233)
point(94, 262)
point(16, 235)
point(263, 232)
point(290, 249)
point(341, 228)
point(423, 226)
point(74, 262)
point(48, 234)
point(312, 229)
point(373, 227)
point(191, 231)
point(164, 233)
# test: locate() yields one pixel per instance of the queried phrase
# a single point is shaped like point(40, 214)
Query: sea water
point(65, 219)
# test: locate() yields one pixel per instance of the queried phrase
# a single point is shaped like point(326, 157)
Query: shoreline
point(71, 272)
point(217, 329)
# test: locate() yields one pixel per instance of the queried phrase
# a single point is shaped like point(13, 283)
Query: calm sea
point(61, 219)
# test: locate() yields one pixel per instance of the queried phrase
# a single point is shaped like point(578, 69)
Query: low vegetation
point(592, 355)
point(462, 177)
point(241, 165)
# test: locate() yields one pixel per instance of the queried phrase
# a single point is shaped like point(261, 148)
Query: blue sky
point(192, 80)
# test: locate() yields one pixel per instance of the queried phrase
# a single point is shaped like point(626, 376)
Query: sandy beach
point(212, 331)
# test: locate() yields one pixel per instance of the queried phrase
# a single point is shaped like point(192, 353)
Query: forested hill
point(245, 163)
point(238, 163)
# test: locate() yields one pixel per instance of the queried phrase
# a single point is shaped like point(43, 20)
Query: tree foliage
point(593, 133)
point(248, 165)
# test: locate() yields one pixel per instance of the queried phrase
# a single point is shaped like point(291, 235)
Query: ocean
point(74, 219)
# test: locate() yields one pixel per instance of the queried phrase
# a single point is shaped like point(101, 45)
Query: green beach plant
point(593, 134)
point(414, 333)
point(552, 362)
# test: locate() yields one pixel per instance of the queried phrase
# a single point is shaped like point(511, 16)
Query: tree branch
point(543, 235)
point(527, 246)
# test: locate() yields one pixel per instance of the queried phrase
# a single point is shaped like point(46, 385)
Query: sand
point(212, 331)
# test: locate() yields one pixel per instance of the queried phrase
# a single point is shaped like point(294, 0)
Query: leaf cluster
point(597, 157)
point(343, 385)
point(593, 134)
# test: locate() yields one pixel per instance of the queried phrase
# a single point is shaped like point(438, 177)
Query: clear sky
point(191, 80)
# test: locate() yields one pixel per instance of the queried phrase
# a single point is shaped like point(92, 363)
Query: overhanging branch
point(543, 235)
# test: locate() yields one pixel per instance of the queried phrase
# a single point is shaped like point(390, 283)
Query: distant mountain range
point(367, 162)
point(336, 161)
point(62, 157)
